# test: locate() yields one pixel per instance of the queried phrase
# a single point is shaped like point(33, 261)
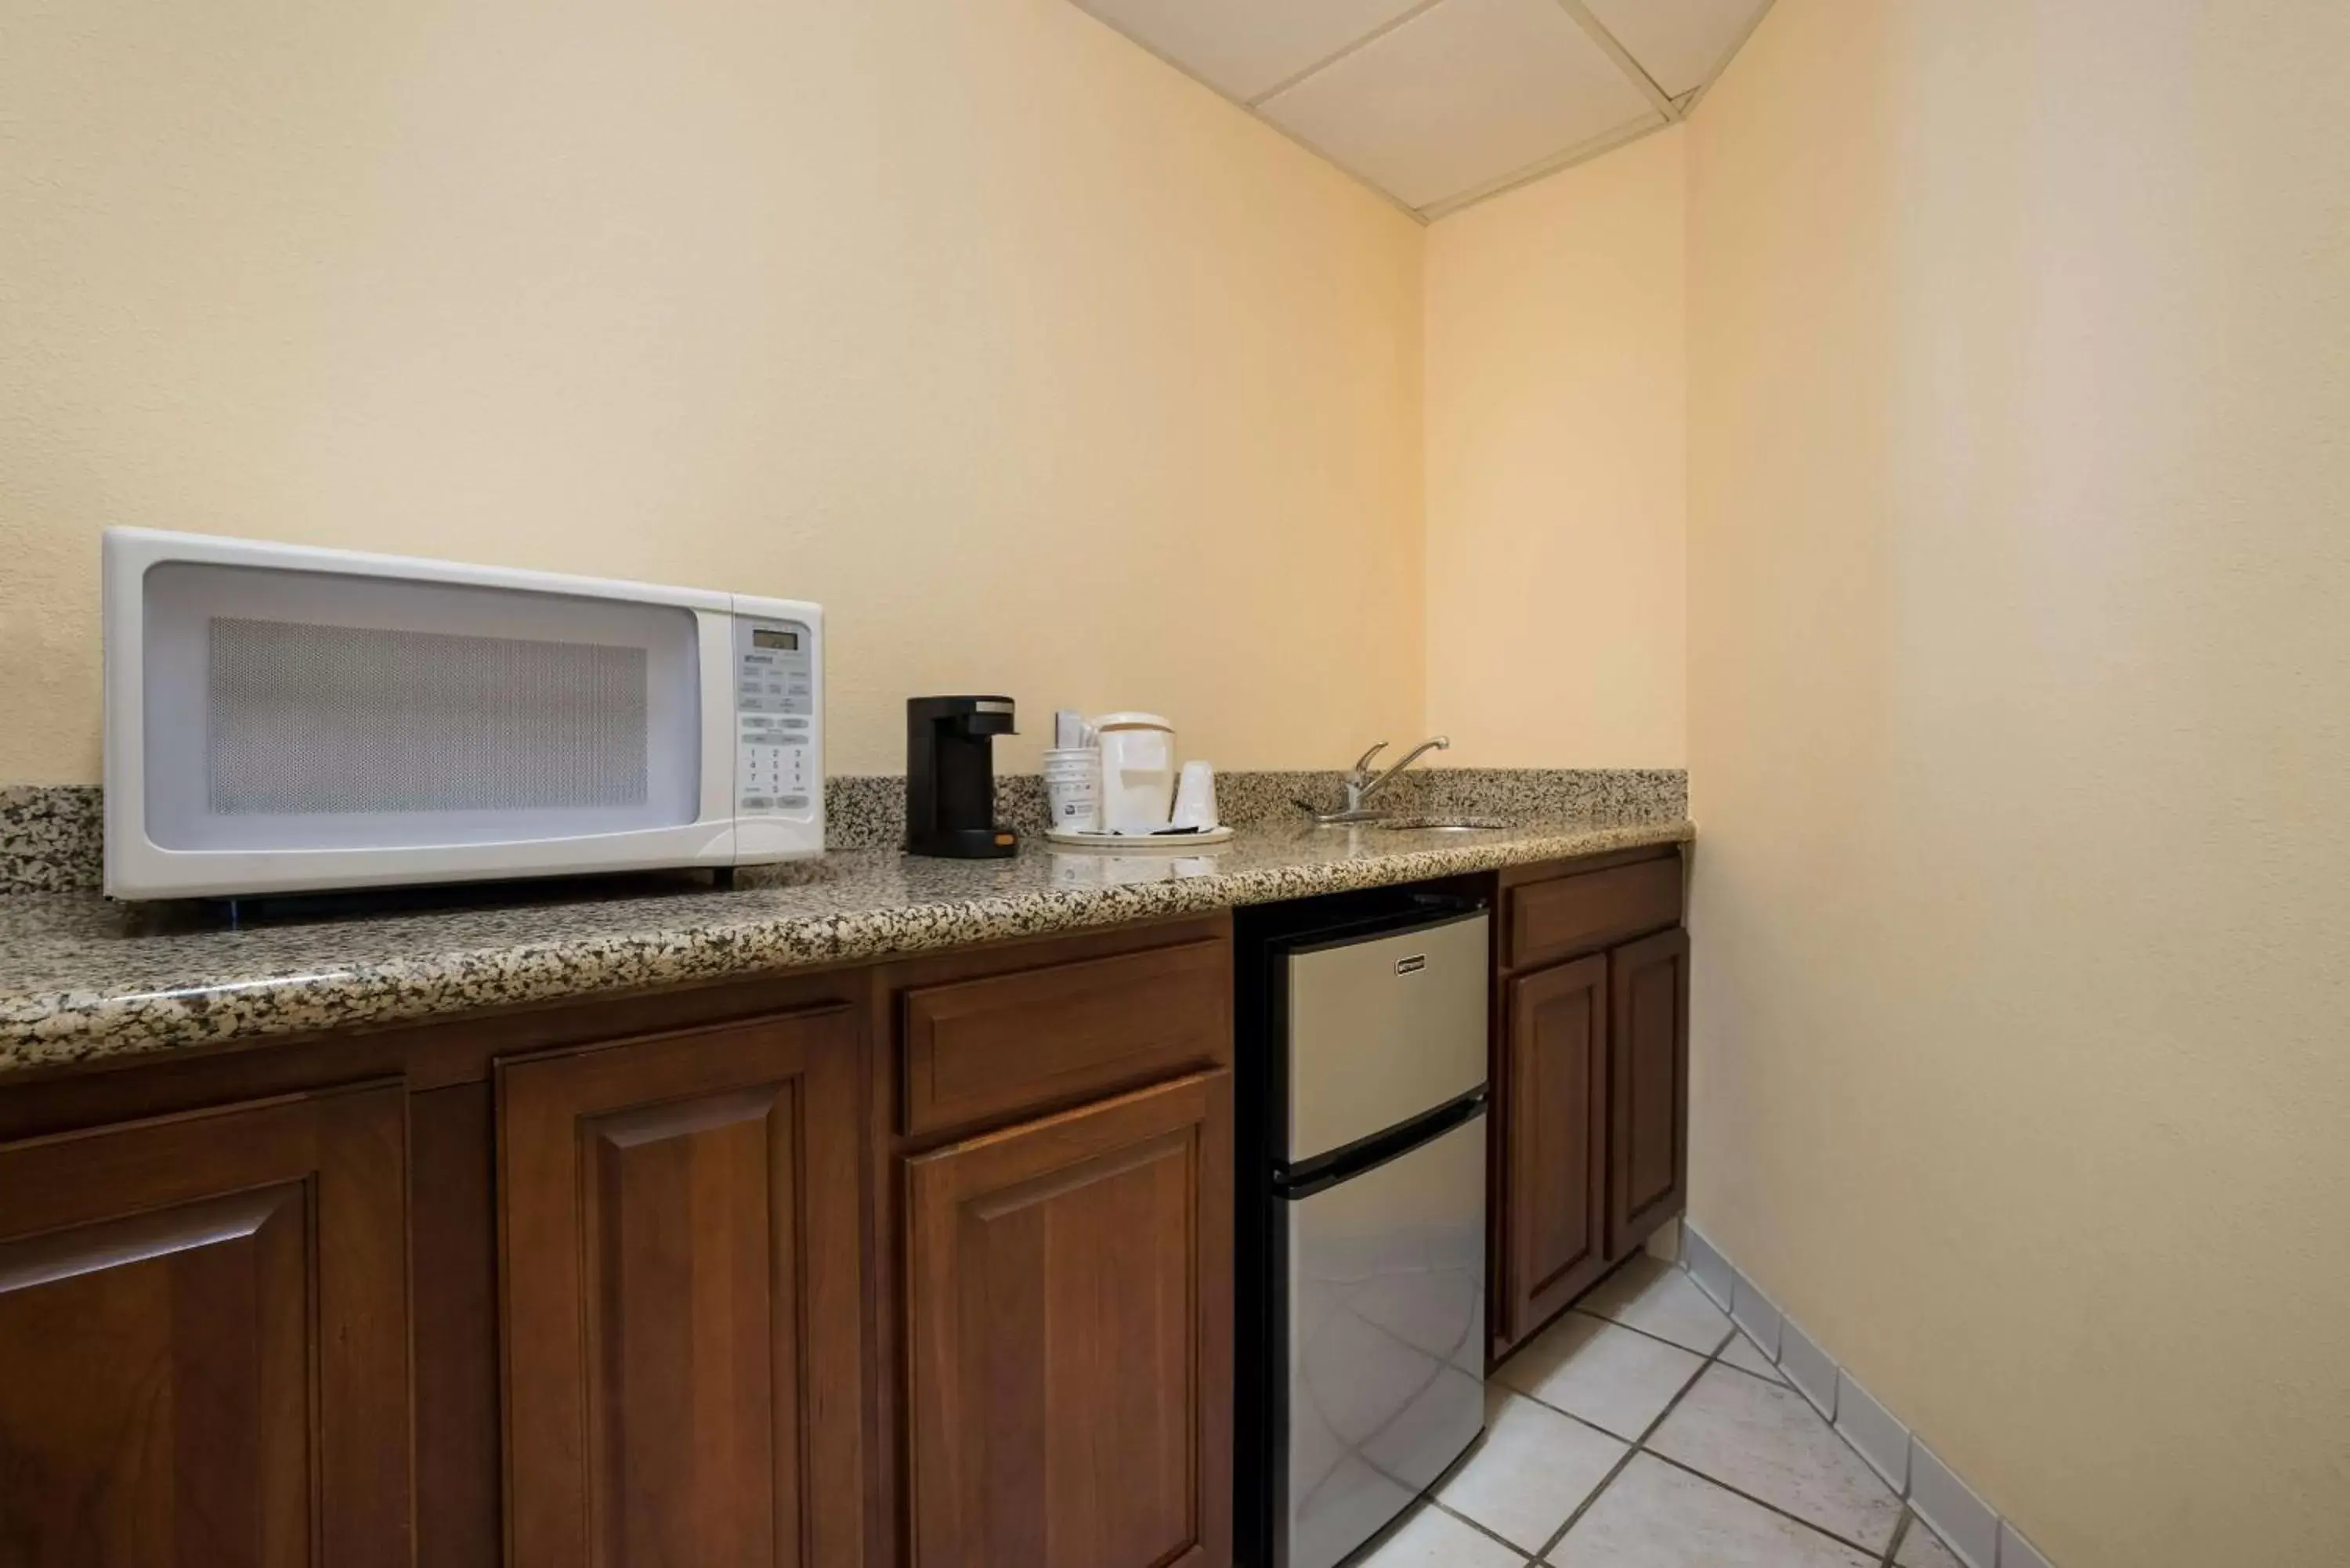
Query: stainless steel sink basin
point(1423, 824)
point(1404, 821)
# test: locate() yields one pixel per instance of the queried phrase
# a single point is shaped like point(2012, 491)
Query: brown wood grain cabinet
point(1559, 915)
point(683, 1311)
point(1555, 1230)
point(1647, 1099)
point(1590, 1078)
point(203, 1340)
point(1069, 1328)
point(980, 1049)
point(919, 1263)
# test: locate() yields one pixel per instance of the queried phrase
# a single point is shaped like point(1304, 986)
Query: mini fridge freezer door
point(1386, 1336)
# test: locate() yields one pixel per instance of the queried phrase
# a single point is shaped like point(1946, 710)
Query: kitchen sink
point(1418, 823)
point(1405, 821)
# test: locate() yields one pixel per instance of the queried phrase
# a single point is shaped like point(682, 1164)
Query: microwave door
point(288, 720)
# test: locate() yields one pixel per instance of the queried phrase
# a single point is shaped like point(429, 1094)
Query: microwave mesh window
point(325, 719)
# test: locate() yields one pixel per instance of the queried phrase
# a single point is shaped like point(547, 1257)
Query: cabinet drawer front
point(1571, 915)
point(1013, 1042)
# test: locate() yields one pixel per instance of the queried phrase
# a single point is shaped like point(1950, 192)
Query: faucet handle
point(1363, 764)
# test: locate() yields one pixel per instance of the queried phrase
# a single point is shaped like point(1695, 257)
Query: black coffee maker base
point(966, 844)
point(951, 777)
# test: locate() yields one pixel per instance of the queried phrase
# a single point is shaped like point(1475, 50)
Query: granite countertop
point(83, 978)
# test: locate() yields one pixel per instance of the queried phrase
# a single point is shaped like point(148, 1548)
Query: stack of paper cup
point(1072, 782)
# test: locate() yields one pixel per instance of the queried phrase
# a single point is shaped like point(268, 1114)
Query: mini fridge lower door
point(1385, 1337)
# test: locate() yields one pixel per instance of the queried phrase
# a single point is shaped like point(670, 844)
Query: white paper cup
point(1073, 788)
point(1195, 797)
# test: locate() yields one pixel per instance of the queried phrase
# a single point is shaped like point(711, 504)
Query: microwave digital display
point(789, 641)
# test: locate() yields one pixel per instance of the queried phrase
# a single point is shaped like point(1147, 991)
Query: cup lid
point(1132, 722)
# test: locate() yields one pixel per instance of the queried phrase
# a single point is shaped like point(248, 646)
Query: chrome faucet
point(1362, 783)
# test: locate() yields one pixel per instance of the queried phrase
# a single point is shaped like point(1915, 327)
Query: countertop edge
point(62, 1030)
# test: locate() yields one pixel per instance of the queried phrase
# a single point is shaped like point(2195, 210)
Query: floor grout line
point(1901, 1538)
point(1768, 1382)
point(1517, 1392)
point(1640, 1445)
point(1736, 1333)
point(1900, 1495)
point(1763, 1503)
point(1630, 1453)
point(1636, 1328)
point(1636, 1447)
point(1676, 1269)
point(1442, 1506)
point(1882, 1557)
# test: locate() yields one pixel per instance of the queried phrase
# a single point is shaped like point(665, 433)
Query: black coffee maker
point(951, 777)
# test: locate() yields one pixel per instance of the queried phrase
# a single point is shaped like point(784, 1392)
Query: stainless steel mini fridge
point(1362, 1279)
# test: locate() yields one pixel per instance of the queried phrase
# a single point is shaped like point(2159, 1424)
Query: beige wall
point(1041, 367)
point(2016, 487)
point(2020, 556)
point(1557, 468)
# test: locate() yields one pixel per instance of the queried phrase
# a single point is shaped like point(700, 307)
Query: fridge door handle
point(1325, 1171)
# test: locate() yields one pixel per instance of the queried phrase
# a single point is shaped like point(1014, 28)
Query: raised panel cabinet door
point(1069, 1319)
point(682, 1324)
point(1647, 1173)
point(203, 1340)
point(1555, 1168)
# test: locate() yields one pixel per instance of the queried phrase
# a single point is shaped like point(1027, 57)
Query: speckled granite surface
point(51, 838)
point(81, 979)
point(50, 835)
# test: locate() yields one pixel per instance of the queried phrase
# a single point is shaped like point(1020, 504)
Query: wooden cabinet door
point(1647, 1086)
point(680, 1233)
point(203, 1341)
point(1069, 1319)
point(1553, 1172)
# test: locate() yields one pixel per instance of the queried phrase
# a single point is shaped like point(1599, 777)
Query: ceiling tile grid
point(1439, 103)
point(1461, 92)
point(1681, 44)
point(1246, 49)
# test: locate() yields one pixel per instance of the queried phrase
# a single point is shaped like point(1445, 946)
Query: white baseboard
point(1967, 1525)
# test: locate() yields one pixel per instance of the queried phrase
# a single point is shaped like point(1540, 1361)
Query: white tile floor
point(1644, 1430)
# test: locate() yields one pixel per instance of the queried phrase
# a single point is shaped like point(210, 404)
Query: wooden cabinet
point(1554, 1166)
point(203, 1340)
point(1590, 1080)
point(1068, 1321)
point(683, 1301)
point(925, 1263)
point(1647, 1098)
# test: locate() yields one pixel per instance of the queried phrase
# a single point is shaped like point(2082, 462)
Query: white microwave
point(288, 720)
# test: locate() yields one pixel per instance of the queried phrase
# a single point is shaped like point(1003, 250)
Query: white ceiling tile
point(1461, 95)
point(1246, 47)
point(1679, 43)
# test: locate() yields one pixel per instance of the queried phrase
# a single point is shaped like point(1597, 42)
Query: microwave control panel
point(776, 767)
